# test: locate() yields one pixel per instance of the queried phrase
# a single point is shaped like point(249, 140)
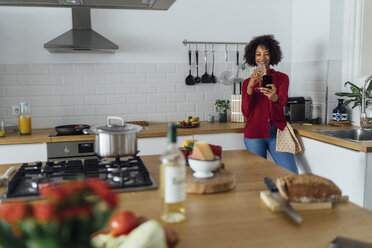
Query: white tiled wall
point(309, 79)
point(88, 93)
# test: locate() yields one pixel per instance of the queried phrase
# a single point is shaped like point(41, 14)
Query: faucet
point(363, 110)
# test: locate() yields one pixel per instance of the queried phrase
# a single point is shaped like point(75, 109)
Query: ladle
point(213, 77)
point(206, 78)
point(190, 80)
point(197, 79)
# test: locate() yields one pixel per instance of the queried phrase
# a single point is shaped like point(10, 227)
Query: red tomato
point(122, 223)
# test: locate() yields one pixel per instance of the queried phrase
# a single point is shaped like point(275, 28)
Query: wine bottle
point(172, 180)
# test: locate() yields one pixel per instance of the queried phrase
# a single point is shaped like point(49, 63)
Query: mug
point(210, 118)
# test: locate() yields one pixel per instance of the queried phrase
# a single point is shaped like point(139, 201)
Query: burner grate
point(121, 175)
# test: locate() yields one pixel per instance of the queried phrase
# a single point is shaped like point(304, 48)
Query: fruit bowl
point(204, 168)
point(189, 122)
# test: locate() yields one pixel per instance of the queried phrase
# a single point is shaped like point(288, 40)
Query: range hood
point(81, 38)
point(111, 4)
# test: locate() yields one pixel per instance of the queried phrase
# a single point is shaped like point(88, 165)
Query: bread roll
point(307, 188)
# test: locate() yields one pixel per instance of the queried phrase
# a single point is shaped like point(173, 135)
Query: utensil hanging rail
point(186, 42)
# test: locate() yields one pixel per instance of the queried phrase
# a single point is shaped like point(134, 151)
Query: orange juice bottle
point(24, 119)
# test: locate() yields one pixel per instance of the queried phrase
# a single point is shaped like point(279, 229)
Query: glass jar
point(315, 113)
point(24, 119)
point(340, 112)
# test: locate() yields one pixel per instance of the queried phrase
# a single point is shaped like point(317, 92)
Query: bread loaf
point(307, 188)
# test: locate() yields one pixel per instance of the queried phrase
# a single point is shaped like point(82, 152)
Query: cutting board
point(275, 206)
point(223, 180)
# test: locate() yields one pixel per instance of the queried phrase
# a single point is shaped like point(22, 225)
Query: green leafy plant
point(222, 106)
point(356, 94)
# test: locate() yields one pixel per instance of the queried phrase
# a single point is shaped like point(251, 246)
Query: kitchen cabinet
point(157, 145)
point(351, 170)
point(228, 141)
point(22, 153)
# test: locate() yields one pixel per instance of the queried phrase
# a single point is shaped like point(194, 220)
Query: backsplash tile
point(88, 93)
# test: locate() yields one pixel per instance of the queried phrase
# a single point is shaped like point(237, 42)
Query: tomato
point(122, 223)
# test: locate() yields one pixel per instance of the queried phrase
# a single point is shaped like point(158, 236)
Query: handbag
point(286, 141)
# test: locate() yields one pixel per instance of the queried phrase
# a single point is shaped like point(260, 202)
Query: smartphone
point(267, 79)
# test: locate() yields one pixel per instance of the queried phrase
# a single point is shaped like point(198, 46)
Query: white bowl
point(204, 168)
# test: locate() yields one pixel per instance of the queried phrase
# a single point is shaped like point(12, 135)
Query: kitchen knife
point(284, 203)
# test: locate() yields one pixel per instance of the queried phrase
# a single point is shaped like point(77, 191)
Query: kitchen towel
point(286, 141)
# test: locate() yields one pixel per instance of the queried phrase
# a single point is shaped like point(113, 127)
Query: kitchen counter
point(308, 131)
point(239, 218)
point(153, 130)
point(160, 130)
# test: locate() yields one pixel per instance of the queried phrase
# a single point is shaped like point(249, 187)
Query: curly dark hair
point(270, 43)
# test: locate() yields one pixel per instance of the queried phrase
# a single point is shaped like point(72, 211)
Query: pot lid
point(116, 128)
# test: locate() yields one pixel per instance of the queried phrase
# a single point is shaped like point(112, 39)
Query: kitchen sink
point(358, 135)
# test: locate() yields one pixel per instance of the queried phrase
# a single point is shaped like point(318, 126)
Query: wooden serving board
point(275, 206)
point(223, 180)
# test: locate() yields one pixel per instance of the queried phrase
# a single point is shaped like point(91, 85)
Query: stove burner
point(122, 175)
point(36, 184)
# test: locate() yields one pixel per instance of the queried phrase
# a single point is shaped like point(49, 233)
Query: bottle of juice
point(24, 119)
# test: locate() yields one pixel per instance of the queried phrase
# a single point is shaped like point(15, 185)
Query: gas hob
point(125, 175)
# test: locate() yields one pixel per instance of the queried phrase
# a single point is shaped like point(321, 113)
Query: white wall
point(144, 80)
point(142, 35)
point(317, 51)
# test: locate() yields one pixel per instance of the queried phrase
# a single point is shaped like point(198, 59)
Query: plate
point(188, 126)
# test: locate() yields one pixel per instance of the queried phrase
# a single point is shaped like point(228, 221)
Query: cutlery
point(284, 203)
point(5, 177)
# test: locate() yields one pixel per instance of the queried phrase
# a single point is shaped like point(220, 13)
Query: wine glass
point(261, 72)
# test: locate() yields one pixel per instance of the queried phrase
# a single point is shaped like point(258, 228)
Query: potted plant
point(221, 108)
point(355, 96)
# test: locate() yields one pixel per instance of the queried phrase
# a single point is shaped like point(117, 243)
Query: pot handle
point(115, 118)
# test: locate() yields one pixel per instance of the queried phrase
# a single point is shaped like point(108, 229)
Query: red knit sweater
point(260, 111)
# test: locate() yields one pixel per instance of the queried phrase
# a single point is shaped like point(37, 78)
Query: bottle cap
point(23, 103)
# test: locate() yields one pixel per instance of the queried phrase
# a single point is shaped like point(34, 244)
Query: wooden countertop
point(308, 131)
point(238, 218)
point(160, 130)
point(153, 130)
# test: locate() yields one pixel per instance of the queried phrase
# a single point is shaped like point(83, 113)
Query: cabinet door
point(157, 145)
point(10, 154)
point(345, 167)
point(228, 141)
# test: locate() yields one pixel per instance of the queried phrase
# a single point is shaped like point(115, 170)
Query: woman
point(263, 107)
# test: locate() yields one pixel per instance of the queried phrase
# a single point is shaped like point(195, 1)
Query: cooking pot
point(116, 140)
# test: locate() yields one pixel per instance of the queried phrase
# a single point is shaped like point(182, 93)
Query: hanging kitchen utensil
point(213, 77)
point(197, 79)
point(226, 53)
point(226, 77)
point(237, 79)
point(71, 129)
point(206, 78)
point(190, 80)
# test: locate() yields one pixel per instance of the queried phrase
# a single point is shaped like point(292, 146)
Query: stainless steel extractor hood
point(111, 4)
point(81, 38)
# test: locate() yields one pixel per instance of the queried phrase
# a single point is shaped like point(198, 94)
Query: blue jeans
point(260, 147)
